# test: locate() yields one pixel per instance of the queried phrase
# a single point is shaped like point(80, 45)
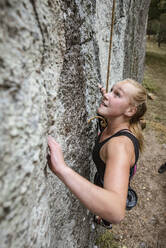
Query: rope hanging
point(110, 44)
point(104, 123)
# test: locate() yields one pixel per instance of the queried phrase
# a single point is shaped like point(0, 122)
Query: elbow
point(119, 213)
point(117, 217)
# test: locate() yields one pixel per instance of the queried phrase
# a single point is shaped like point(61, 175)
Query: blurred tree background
point(157, 21)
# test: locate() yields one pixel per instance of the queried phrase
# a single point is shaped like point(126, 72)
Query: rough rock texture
point(53, 53)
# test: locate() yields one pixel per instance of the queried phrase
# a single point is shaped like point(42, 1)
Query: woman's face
point(118, 101)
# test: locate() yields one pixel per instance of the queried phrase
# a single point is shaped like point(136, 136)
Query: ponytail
point(135, 124)
point(137, 131)
point(139, 100)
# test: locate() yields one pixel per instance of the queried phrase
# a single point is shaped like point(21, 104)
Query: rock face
point(53, 53)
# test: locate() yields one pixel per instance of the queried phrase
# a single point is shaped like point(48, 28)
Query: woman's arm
point(108, 202)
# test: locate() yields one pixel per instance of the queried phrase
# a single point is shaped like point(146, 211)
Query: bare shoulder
point(120, 142)
point(120, 145)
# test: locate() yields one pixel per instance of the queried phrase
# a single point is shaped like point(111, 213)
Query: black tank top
point(100, 165)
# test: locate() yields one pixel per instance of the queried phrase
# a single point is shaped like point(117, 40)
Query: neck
point(115, 126)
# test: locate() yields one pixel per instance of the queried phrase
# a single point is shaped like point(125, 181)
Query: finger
point(50, 138)
point(53, 145)
point(51, 142)
point(103, 91)
point(100, 86)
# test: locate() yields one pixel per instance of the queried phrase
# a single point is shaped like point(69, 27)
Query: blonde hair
point(140, 101)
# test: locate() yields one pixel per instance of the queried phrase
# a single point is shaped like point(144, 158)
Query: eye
point(117, 93)
point(111, 89)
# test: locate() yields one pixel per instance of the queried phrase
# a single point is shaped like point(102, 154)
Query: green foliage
point(157, 20)
point(157, 7)
point(106, 240)
point(154, 11)
point(162, 6)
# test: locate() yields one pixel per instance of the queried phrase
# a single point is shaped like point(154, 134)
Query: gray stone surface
point(53, 53)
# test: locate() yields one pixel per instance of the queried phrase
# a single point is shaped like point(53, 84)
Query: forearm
point(102, 202)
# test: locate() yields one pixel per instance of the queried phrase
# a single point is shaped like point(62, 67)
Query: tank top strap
point(107, 139)
point(134, 141)
point(123, 132)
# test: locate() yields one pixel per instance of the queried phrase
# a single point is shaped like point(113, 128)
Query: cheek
point(119, 105)
point(117, 102)
point(122, 102)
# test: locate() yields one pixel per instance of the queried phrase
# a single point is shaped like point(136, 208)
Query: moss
point(107, 240)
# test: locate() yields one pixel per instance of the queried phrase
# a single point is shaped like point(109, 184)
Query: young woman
point(115, 153)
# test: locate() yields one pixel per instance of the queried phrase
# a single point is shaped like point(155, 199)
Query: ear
point(130, 111)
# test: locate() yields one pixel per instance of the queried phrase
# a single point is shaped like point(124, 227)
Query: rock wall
point(53, 53)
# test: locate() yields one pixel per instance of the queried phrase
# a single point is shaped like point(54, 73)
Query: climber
point(115, 154)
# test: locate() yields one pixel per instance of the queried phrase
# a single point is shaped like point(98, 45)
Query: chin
point(100, 112)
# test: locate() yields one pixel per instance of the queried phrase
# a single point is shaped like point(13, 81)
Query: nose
point(105, 96)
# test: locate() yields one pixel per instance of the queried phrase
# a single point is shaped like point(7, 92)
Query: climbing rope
point(110, 45)
point(103, 122)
